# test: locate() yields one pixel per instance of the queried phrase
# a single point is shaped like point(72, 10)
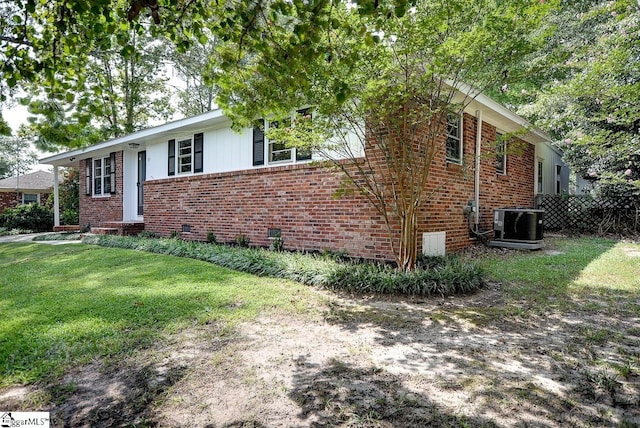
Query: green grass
point(586, 268)
point(66, 305)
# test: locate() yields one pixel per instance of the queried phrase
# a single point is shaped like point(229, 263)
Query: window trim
point(179, 156)
point(501, 146)
point(36, 201)
point(196, 153)
point(558, 181)
point(458, 138)
point(540, 176)
point(263, 146)
point(104, 176)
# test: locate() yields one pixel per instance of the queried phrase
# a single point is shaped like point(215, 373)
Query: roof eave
point(72, 157)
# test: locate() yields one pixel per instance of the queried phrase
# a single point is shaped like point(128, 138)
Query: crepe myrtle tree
point(384, 86)
point(47, 43)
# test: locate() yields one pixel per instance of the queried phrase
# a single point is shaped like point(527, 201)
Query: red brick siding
point(11, 200)
point(8, 200)
point(299, 200)
point(96, 210)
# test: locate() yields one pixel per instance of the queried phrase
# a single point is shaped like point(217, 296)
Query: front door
point(142, 175)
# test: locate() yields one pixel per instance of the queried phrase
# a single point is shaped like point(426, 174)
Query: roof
point(39, 180)
point(138, 138)
point(494, 113)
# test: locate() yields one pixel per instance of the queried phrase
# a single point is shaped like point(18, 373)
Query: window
point(501, 155)
point(188, 153)
point(185, 149)
point(539, 178)
point(454, 138)
point(29, 198)
point(104, 178)
point(277, 152)
point(558, 179)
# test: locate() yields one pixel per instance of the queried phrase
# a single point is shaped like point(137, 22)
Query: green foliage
point(242, 241)
point(277, 243)
point(378, 85)
point(450, 275)
point(583, 88)
point(211, 237)
point(33, 217)
point(16, 155)
point(69, 197)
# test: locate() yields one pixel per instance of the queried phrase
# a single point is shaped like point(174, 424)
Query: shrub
point(445, 275)
point(70, 217)
point(211, 238)
point(242, 241)
point(34, 217)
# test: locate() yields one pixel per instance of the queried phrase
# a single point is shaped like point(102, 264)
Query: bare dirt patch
point(370, 362)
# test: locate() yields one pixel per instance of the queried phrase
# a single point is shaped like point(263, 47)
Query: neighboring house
point(552, 174)
point(196, 176)
point(25, 189)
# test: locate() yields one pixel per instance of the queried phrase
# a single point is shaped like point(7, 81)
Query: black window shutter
point(258, 143)
point(172, 157)
point(198, 140)
point(88, 165)
point(112, 176)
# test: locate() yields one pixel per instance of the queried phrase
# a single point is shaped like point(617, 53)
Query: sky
point(16, 116)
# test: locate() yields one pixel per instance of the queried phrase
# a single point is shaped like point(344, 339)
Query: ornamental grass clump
point(433, 276)
point(446, 276)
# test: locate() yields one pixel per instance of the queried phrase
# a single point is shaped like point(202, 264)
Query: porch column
point(56, 198)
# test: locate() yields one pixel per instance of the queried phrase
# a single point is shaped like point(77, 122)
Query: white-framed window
point(185, 154)
point(501, 154)
point(277, 152)
point(454, 138)
point(30, 198)
point(102, 176)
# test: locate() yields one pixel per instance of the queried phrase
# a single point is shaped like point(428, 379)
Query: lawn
point(570, 274)
point(66, 305)
point(117, 337)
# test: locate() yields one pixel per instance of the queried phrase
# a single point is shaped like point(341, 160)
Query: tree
point(391, 81)
point(192, 66)
point(16, 156)
point(49, 44)
point(588, 86)
point(69, 194)
point(122, 92)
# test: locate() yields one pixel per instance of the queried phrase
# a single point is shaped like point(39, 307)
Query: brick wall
point(299, 200)
point(11, 200)
point(8, 200)
point(96, 210)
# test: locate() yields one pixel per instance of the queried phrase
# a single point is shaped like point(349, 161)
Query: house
point(197, 176)
point(29, 188)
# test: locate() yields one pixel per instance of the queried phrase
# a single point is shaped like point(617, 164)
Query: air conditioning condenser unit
point(520, 228)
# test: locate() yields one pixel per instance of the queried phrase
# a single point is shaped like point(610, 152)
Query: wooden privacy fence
point(586, 214)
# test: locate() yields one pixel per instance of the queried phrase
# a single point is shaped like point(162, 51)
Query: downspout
point(56, 198)
point(477, 169)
